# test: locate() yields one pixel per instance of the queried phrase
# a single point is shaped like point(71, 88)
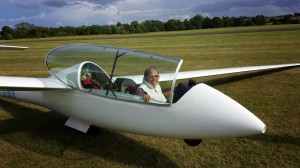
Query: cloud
point(286, 3)
point(26, 18)
point(77, 13)
point(55, 3)
point(224, 6)
point(247, 8)
point(102, 12)
point(89, 12)
point(63, 3)
point(131, 10)
point(29, 4)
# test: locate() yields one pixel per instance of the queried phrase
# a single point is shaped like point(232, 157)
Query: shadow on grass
point(237, 77)
point(44, 133)
point(285, 139)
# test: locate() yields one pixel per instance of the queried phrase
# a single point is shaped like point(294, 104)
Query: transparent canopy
point(114, 70)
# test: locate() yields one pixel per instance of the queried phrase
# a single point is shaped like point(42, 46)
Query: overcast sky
point(55, 13)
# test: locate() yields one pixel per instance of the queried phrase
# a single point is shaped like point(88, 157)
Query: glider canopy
point(112, 69)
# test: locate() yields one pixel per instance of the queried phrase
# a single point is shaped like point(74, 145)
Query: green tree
point(95, 29)
point(181, 25)
point(7, 33)
point(187, 24)
point(240, 21)
point(206, 23)
point(114, 29)
point(21, 33)
point(153, 25)
point(119, 24)
point(196, 21)
point(274, 21)
point(135, 27)
point(217, 22)
point(35, 32)
point(228, 22)
point(286, 19)
point(171, 25)
point(24, 25)
point(107, 30)
point(23, 29)
point(296, 21)
point(82, 30)
point(249, 22)
point(260, 20)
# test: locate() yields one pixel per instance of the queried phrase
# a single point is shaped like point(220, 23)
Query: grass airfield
point(33, 136)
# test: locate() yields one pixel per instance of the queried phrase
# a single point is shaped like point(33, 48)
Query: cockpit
point(110, 71)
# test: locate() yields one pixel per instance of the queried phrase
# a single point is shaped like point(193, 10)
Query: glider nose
point(219, 115)
point(264, 128)
point(233, 117)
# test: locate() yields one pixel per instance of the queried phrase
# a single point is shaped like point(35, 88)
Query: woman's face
point(153, 78)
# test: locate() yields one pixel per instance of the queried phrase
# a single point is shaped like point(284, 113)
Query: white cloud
point(59, 24)
point(28, 4)
point(83, 14)
point(26, 18)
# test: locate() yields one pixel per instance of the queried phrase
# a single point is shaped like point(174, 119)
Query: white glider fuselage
point(190, 117)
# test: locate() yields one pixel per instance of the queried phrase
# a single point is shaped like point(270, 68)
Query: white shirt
point(155, 93)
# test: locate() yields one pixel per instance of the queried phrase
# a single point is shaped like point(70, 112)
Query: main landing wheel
point(193, 142)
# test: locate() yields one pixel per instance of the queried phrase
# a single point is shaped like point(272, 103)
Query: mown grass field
point(32, 136)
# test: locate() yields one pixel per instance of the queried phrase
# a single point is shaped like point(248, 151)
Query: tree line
point(27, 30)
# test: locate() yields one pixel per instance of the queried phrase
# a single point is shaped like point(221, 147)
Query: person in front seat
point(88, 80)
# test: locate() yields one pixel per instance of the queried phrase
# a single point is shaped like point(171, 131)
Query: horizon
point(59, 13)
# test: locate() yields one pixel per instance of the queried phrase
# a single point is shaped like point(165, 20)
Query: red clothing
point(89, 83)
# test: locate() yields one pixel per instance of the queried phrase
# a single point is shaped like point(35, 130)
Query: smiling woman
point(150, 88)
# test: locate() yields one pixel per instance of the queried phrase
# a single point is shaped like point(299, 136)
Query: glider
point(193, 112)
point(6, 47)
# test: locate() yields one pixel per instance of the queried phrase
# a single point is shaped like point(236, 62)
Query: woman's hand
point(167, 94)
point(146, 98)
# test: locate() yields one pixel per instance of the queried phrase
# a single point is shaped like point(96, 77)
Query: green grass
point(32, 136)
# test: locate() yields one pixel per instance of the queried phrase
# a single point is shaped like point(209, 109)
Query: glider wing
point(211, 72)
point(6, 47)
point(26, 83)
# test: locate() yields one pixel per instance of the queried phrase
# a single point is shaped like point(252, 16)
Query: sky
point(56, 13)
